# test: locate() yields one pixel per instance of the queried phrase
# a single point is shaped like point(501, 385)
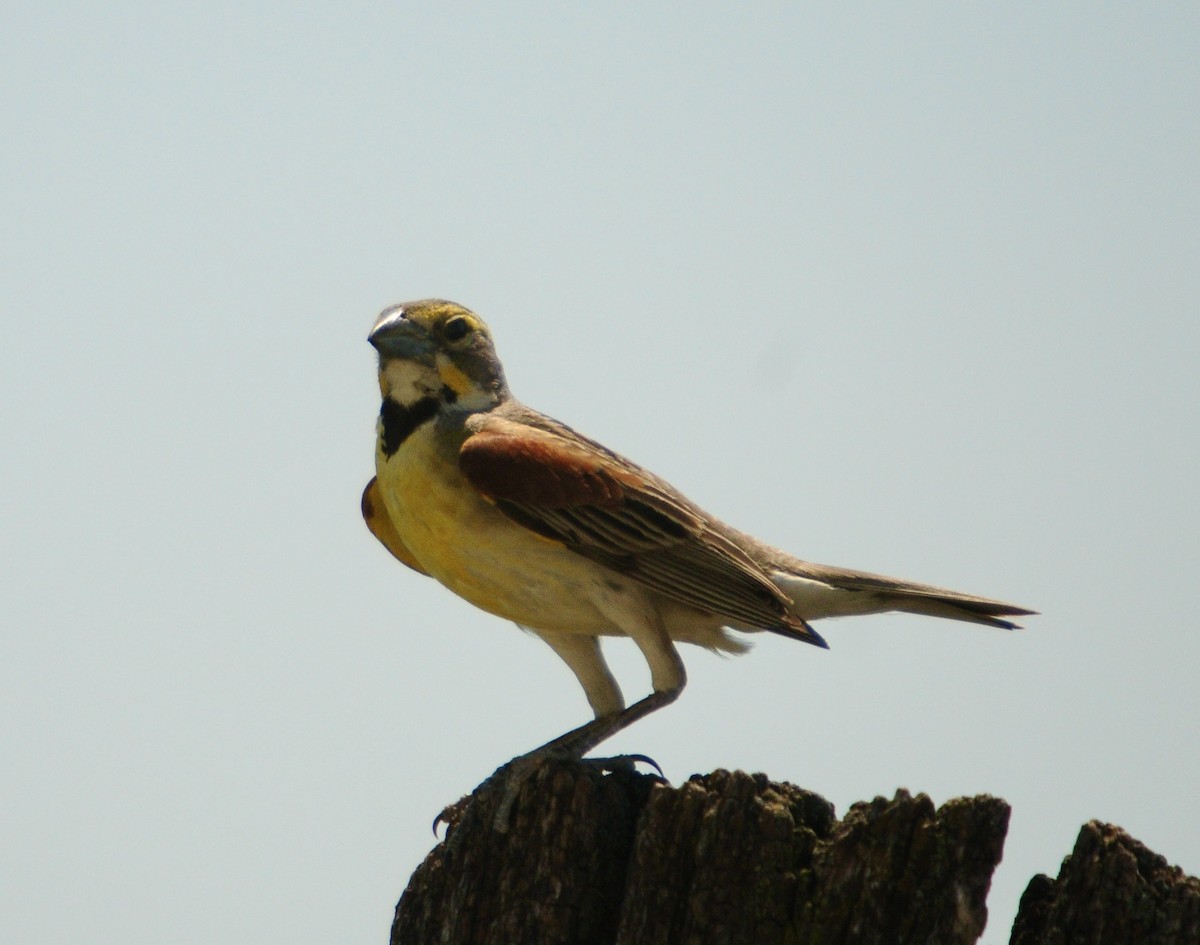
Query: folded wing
point(599, 505)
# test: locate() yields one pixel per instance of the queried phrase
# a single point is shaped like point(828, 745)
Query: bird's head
point(437, 349)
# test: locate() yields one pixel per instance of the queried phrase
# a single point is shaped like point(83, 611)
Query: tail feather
point(988, 613)
point(823, 591)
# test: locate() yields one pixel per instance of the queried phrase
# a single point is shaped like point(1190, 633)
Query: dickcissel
point(533, 522)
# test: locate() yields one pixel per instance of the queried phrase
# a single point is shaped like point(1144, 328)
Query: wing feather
point(599, 505)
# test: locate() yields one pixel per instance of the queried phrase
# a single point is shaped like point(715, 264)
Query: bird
point(535, 523)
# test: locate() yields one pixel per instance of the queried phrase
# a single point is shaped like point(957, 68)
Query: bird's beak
point(395, 336)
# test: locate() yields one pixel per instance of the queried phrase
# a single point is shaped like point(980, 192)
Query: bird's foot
point(625, 763)
point(573, 746)
point(513, 776)
point(510, 778)
point(451, 814)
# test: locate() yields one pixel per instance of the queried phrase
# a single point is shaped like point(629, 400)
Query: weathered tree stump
point(1111, 890)
point(724, 858)
point(594, 859)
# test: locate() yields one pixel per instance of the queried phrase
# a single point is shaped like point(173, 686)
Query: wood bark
point(589, 858)
point(724, 858)
point(1111, 890)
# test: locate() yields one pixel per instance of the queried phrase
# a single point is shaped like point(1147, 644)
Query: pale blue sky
point(912, 290)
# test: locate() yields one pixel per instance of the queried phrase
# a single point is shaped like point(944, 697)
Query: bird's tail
point(822, 591)
point(990, 613)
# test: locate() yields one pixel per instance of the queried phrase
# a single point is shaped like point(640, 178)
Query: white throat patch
point(406, 382)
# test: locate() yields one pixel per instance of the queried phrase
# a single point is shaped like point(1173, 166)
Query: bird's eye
point(457, 329)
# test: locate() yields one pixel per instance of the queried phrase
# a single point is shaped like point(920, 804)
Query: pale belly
point(470, 547)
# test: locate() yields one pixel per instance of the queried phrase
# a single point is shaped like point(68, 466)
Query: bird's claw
point(626, 763)
point(511, 777)
point(451, 814)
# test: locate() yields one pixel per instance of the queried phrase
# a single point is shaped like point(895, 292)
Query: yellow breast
point(465, 542)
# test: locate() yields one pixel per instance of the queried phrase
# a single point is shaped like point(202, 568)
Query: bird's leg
point(573, 746)
point(582, 654)
point(668, 676)
point(579, 741)
point(569, 747)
